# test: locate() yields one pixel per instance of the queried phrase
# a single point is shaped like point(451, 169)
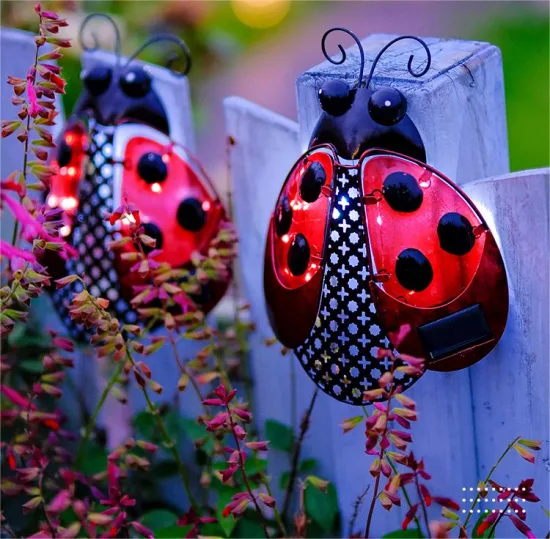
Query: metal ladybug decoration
point(366, 238)
point(118, 146)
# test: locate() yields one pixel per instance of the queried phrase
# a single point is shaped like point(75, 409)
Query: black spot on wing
point(413, 270)
point(298, 255)
point(455, 233)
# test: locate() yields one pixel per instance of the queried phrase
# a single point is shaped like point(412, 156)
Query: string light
point(156, 188)
point(206, 205)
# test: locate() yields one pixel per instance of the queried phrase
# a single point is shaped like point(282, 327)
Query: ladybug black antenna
point(344, 56)
point(95, 45)
point(409, 64)
point(170, 62)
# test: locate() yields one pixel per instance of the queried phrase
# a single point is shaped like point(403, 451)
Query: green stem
point(276, 512)
point(168, 442)
point(422, 504)
point(91, 423)
point(510, 445)
point(405, 493)
point(26, 148)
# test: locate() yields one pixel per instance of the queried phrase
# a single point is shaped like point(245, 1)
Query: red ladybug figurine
point(366, 238)
point(118, 147)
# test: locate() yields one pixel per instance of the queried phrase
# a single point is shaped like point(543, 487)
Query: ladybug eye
point(97, 79)
point(135, 82)
point(387, 106)
point(151, 168)
point(335, 97)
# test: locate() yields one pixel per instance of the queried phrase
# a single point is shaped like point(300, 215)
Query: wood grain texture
point(510, 388)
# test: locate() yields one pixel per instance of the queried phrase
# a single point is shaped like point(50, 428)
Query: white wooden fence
point(466, 418)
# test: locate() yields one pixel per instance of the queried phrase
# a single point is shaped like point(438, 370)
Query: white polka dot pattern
point(341, 353)
point(90, 234)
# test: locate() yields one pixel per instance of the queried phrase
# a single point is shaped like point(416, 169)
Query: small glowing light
point(285, 238)
point(206, 205)
point(308, 277)
point(63, 170)
point(261, 13)
point(387, 103)
point(295, 205)
point(65, 230)
point(156, 188)
point(165, 157)
point(69, 203)
point(286, 271)
point(425, 184)
point(71, 171)
point(313, 266)
point(379, 220)
point(335, 213)
point(69, 139)
point(52, 201)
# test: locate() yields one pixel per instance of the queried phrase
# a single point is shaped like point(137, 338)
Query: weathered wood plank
point(264, 147)
point(510, 387)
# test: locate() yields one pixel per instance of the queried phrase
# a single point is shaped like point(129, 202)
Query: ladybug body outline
point(121, 118)
point(297, 310)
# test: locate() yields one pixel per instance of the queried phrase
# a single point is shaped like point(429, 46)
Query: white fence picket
point(510, 388)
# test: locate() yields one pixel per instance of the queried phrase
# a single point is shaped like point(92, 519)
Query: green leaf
point(144, 423)
point(32, 365)
point(279, 435)
point(164, 468)
point(481, 518)
point(284, 480)
point(160, 518)
point(172, 532)
point(227, 523)
point(94, 459)
point(322, 507)
point(193, 430)
point(255, 466)
point(249, 528)
point(403, 534)
point(308, 465)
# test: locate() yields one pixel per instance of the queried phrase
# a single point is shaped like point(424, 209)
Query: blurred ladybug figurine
point(119, 146)
point(367, 239)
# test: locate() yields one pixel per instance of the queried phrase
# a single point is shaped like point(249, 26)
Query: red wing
point(176, 201)
point(69, 161)
point(434, 259)
point(295, 245)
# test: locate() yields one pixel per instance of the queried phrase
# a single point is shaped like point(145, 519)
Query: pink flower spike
point(240, 432)
point(218, 422)
point(213, 402)
point(257, 446)
point(16, 398)
point(399, 336)
point(245, 415)
point(11, 252)
point(34, 107)
point(142, 530)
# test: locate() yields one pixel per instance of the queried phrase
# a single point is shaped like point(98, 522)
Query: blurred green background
point(235, 47)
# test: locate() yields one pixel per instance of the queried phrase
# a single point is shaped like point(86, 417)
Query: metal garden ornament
point(367, 239)
point(117, 146)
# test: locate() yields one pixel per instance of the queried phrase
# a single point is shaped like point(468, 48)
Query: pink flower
point(11, 252)
point(16, 398)
point(34, 108)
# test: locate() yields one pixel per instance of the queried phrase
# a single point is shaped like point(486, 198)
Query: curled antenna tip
point(414, 73)
point(171, 60)
point(342, 50)
point(95, 45)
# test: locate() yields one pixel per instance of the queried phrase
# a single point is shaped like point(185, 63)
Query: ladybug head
point(124, 92)
point(358, 118)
